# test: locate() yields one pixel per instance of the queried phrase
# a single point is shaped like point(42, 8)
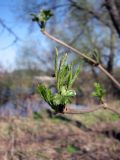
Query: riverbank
point(48, 137)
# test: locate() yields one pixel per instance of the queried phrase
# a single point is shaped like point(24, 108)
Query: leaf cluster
point(65, 77)
point(99, 91)
point(96, 56)
point(42, 18)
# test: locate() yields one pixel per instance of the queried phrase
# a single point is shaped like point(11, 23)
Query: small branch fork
point(83, 55)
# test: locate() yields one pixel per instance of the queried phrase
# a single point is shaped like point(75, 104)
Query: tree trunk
point(112, 50)
point(113, 7)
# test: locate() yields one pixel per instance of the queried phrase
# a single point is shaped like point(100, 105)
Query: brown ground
point(55, 139)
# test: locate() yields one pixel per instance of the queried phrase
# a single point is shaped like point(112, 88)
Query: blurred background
point(28, 128)
point(25, 52)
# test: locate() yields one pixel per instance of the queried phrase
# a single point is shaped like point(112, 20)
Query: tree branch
point(16, 38)
point(95, 14)
point(68, 110)
point(83, 55)
point(113, 7)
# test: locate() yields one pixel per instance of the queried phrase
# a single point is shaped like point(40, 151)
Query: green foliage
point(46, 94)
point(99, 91)
point(37, 116)
point(64, 74)
point(42, 18)
point(65, 78)
point(71, 149)
point(96, 56)
point(90, 119)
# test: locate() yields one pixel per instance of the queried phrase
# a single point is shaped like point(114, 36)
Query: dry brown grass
point(55, 139)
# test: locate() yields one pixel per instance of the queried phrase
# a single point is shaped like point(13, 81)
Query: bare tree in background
point(9, 30)
point(30, 57)
point(113, 7)
point(83, 24)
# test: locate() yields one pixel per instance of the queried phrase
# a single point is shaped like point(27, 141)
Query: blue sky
point(8, 51)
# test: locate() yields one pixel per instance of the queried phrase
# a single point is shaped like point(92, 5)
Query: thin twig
point(89, 59)
point(16, 38)
point(105, 106)
point(68, 110)
point(71, 48)
point(109, 75)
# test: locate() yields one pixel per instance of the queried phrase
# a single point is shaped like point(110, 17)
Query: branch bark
point(113, 7)
point(83, 55)
point(68, 110)
point(112, 52)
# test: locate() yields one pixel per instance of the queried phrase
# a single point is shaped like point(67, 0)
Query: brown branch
point(68, 110)
point(105, 106)
point(66, 45)
point(113, 7)
point(83, 55)
point(91, 11)
point(113, 110)
point(109, 76)
point(16, 38)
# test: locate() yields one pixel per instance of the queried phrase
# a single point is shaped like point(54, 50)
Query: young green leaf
point(61, 72)
point(96, 56)
point(56, 63)
point(69, 76)
point(75, 75)
point(42, 18)
point(45, 93)
point(64, 80)
point(99, 91)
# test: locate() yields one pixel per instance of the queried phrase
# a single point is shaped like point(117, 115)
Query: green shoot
point(99, 91)
point(96, 56)
point(42, 18)
point(64, 80)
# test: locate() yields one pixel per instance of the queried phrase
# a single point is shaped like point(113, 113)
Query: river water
point(19, 103)
point(24, 108)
